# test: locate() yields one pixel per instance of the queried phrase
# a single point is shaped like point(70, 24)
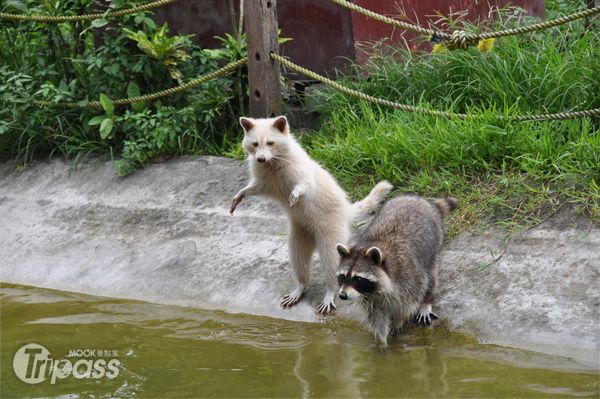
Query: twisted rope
point(462, 39)
point(411, 108)
point(153, 96)
point(541, 25)
point(391, 21)
point(85, 17)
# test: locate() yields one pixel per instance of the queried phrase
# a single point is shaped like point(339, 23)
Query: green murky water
point(178, 352)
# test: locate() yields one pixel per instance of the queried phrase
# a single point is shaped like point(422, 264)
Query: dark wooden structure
point(263, 71)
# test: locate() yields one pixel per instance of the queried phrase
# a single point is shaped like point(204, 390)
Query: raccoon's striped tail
point(363, 208)
point(446, 205)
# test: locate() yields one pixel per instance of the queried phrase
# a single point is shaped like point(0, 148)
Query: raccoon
point(391, 268)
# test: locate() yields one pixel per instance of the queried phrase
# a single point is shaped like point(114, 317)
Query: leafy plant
point(170, 51)
point(107, 121)
point(83, 61)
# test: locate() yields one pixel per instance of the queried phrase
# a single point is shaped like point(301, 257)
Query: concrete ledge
point(164, 235)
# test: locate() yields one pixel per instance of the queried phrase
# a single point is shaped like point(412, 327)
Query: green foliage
point(545, 72)
point(100, 60)
point(233, 48)
point(170, 51)
point(515, 171)
point(559, 8)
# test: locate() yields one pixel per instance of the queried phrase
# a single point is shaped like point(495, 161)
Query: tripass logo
point(33, 364)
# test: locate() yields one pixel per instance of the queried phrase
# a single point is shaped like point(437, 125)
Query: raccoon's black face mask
point(357, 274)
point(361, 285)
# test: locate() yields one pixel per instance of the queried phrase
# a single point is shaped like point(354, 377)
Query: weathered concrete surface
point(164, 235)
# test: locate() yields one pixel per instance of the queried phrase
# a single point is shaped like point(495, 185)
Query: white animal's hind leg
point(301, 247)
point(329, 258)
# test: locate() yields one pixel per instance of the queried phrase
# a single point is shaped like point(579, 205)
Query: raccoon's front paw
point(292, 298)
point(425, 316)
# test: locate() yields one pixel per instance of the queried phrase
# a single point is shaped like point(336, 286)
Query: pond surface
point(165, 351)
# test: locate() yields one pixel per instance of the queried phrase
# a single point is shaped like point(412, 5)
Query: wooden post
point(260, 21)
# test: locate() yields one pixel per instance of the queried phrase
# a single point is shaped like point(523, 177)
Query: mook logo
point(33, 364)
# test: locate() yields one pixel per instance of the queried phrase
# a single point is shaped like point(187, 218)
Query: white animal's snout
point(263, 155)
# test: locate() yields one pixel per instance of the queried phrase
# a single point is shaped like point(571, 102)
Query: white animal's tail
point(363, 208)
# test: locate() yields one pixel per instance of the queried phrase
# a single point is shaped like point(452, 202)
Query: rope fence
point(456, 39)
point(426, 111)
point(85, 17)
point(153, 96)
point(460, 38)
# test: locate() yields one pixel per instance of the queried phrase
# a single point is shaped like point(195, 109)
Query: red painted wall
point(425, 13)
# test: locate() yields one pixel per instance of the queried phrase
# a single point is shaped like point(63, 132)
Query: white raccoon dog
point(319, 212)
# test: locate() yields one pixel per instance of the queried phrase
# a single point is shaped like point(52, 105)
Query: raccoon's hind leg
point(425, 315)
point(381, 327)
point(397, 324)
point(301, 247)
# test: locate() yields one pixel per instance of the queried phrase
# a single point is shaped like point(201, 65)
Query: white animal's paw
point(293, 199)
point(328, 305)
point(292, 298)
point(235, 202)
point(425, 316)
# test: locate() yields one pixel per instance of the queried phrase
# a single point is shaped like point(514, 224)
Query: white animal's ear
point(343, 250)
point(281, 124)
point(247, 124)
point(374, 254)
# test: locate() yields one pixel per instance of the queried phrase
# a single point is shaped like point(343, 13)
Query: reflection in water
point(435, 373)
point(336, 362)
point(179, 352)
point(557, 391)
point(303, 383)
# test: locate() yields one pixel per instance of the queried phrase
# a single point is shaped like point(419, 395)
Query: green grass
point(514, 174)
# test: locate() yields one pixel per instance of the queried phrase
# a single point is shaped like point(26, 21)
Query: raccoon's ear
point(343, 250)
point(247, 124)
point(281, 124)
point(374, 254)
